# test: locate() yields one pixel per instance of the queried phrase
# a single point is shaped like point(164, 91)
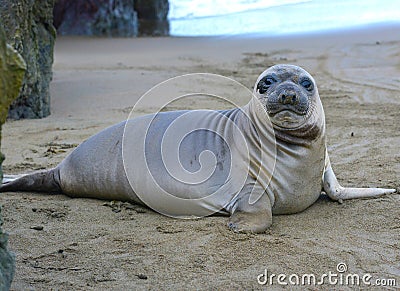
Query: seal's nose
point(288, 97)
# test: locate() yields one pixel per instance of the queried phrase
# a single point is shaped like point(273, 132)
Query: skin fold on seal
point(267, 157)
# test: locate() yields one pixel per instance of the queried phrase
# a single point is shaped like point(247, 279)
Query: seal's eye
point(264, 84)
point(306, 83)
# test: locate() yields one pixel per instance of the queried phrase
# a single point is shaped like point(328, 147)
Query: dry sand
point(86, 244)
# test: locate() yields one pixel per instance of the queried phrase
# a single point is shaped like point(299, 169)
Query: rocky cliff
point(12, 69)
point(28, 25)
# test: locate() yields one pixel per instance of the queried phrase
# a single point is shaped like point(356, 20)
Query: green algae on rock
point(12, 70)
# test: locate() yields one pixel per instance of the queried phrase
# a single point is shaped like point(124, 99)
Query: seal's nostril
point(288, 98)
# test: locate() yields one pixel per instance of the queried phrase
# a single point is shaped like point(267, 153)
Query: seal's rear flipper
point(42, 181)
point(10, 178)
point(336, 192)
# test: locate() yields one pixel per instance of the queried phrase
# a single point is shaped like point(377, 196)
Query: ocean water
point(274, 17)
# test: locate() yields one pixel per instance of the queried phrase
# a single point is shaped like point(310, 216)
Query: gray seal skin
point(297, 169)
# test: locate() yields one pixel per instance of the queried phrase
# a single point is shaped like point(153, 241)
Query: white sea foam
point(182, 9)
point(274, 17)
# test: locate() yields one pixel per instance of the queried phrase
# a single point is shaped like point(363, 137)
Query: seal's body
point(268, 157)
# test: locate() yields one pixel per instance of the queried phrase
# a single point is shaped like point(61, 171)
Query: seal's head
point(287, 92)
point(290, 97)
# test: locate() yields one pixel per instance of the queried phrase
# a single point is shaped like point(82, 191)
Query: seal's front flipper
point(336, 192)
point(251, 217)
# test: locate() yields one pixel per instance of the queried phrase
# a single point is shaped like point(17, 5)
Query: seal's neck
point(308, 133)
point(305, 135)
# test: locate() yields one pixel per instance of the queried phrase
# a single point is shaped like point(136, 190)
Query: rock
point(123, 18)
point(12, 69)
point(142, 276)
point(153, 17)
point(37, 227)
point(7, 260)
point(96, 18)
point(28, 25)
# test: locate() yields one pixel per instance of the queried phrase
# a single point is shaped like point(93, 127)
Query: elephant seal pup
point(268, 157)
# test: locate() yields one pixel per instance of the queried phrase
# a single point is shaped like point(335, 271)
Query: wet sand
point(90, 244)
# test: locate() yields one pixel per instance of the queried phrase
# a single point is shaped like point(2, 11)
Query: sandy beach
point(89, 244)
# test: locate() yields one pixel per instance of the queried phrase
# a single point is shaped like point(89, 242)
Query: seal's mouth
point(288, 118)
point(283, 109)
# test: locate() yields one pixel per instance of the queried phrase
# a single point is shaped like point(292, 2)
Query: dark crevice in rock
point(153, 17)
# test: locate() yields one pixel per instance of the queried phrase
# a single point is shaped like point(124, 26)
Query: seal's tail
point(42, 181)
